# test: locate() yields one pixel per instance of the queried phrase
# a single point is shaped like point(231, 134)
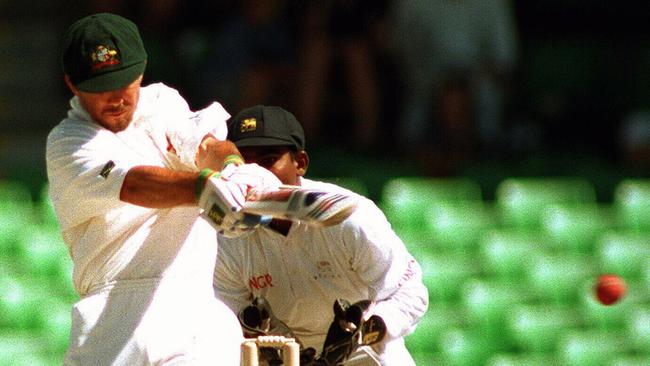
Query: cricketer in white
point(301, 275)
point(144, 274)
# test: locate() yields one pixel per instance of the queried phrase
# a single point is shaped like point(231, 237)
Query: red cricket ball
point(609, 289)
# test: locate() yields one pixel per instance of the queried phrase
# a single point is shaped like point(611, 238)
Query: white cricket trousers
point(148, 322)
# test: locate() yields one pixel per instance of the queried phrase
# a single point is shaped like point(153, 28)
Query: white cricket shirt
point(303, 273)
point(113, 240)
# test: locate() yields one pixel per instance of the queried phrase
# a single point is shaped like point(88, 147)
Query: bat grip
point(253, 220)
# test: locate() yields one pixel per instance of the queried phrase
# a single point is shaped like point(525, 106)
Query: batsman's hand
point(252, 176)
point(222, 194)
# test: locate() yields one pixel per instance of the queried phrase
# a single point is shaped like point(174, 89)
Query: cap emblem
point(248, 125)
point(103, 56)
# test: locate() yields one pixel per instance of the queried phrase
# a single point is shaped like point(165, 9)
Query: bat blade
point(311, 206)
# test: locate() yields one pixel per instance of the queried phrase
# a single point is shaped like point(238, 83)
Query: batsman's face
point(113, 109)
point(284, 163)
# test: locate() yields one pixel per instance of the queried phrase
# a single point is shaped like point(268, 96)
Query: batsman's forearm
point(156, 187)
point(212, 153)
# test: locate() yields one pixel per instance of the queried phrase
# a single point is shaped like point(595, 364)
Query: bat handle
point(252, 220)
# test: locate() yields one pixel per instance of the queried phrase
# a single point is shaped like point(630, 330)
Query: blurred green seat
point(638, 327)
point(45, 208)
point(20, 304)
point(505, 253)
point(559, 278)
point(444, 275)
point(588, 347)
point(406, 199)
point(632, 202)
point(426, 358)
point(645, 272)
point(419, 244)
point(537, 328)
point(629, 360)
point(465, 347)
point(22, 348)
point(16, 215)
point(575, 228)
point(43, 254)
point(522, 201)
point(14, 192)
point(488, 304)
point(458, 226)
point(607, 317)
point(436, 320)
point(623, 253)
point(521, 359)
point(56, 317)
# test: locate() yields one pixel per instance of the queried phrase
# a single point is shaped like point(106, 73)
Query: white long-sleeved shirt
point(111, 240)
point(303, 273)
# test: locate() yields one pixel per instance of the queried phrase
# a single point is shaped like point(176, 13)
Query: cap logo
point(248, 125)
point(103, 56)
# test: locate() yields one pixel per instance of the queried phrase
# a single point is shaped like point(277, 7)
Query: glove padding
point(224, 194)
point(353, 326)
point(257, 320)
point(251, 176)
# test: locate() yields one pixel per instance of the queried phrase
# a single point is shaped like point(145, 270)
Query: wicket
point(290, 350)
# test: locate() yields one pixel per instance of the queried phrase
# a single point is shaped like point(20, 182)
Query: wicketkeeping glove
point(353, 326)
point(257, 319)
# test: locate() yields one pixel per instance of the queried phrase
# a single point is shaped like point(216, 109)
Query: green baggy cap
point(262, 125)
point(103, 52)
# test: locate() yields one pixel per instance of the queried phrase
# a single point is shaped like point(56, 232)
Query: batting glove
point(251, 176)
point(222, 195)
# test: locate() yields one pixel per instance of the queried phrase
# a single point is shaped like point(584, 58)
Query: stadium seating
point(405, 200)
point(510, 279)
point(522, 201)
point(444, 275)
point(464, 347)
point(506, 253)
point(537, 328)
point(623, 253)
point(638, 327)
point(430, 328)
point(558, 278)
point(598, 316)
point(45, 209)
point(487, 303)
point(632, 201)
point(574, 228)
point(518, 359)
point(625, 360)
point(589, 347)
point(457, 226)
point(16, 214)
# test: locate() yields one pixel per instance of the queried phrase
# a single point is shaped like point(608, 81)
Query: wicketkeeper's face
point(113, 109)
point(283, 162)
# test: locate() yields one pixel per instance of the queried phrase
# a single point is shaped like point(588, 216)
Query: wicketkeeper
point(348, 293)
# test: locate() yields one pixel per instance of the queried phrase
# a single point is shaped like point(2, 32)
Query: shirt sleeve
point(381, 260)
point(186, 137)
point(228, 284)
point(85, 172)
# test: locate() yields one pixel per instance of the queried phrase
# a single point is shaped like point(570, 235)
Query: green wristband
point(204, 175)
point(232, 159)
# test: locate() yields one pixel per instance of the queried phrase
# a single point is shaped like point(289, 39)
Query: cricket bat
point(311, 206)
